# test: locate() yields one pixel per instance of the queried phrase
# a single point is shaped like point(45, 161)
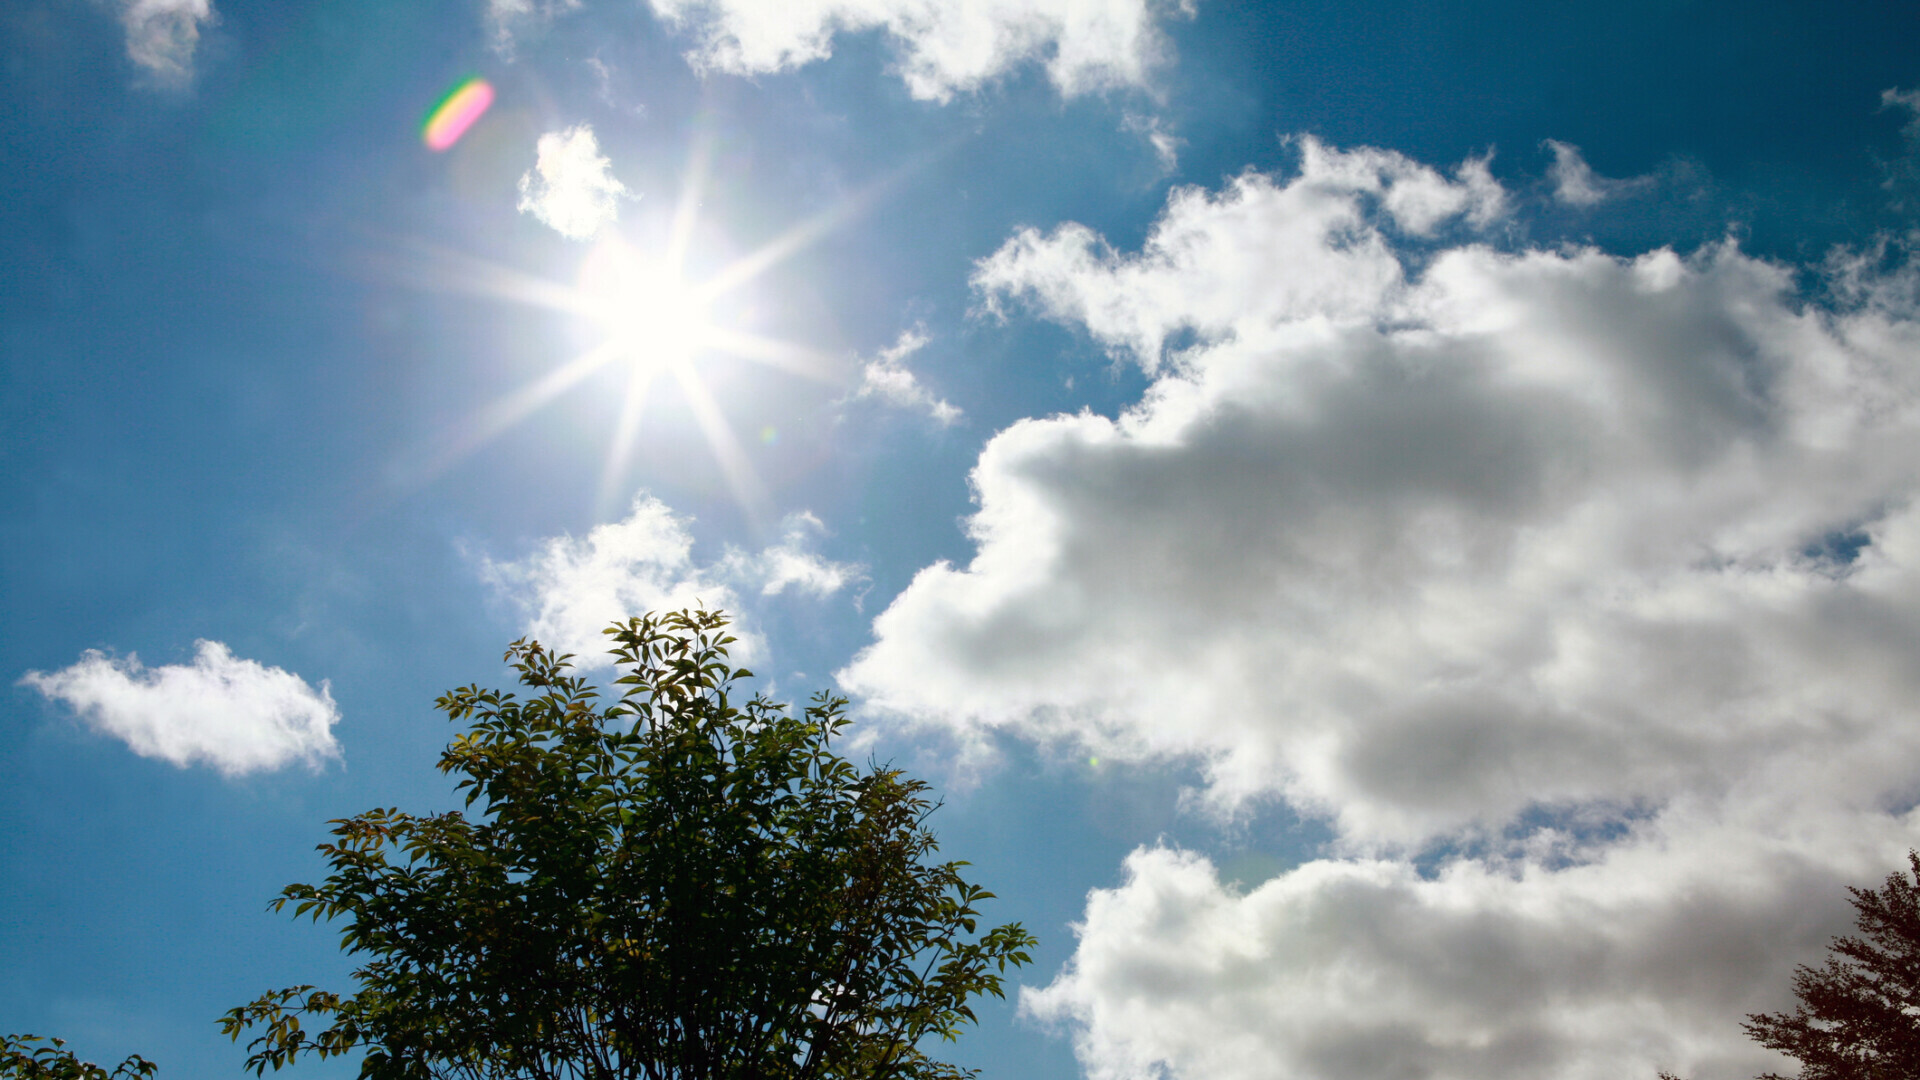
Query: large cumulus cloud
point(1440, 540)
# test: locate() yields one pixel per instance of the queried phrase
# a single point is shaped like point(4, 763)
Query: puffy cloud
point(572, 589)
point(1365, 970)
point(886, 377)
point(1260, 254)
point(944, 47)
point(163, 35)
point(1576, 184)
point(1592, 577)
point(238, 716)
point(571, 187)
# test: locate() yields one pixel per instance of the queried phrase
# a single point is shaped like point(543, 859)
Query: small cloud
point(507, 17)
point(571, 187)
point(571, 589)
point(886, 377)
point(1087, 46)
point(163, 35)
point(1166, 145)
point(603, 74)
point(1576, 184)
point(1893, 97)
point(791, 563)
point(236, 715)
point(1903, 172)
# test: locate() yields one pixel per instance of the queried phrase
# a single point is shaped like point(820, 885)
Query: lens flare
point(455, 113)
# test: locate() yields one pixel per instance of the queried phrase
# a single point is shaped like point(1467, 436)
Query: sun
point(649, 315)
point(652, 321)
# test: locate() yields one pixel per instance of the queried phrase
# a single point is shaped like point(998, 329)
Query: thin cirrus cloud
point(571, 588)
point(1591, 579)
point(1576, 184)
point(238, 716)
point(163, 36)
point(571, 187)
point(887, 378)
point(942, 48)
point(506, 19)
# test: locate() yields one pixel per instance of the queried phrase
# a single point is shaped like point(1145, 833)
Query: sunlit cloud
point(886, 378)
point(943, 48)
point(1574, 593)
point(571, 186)
point(163, 35)
point(236, 715)
point(792, 563)
point(569, 589)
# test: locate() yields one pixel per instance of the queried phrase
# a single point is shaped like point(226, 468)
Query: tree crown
point(673, 885)
point(1858, 1017)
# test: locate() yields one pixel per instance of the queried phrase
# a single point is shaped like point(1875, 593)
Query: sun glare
point(651, 318)
point(652, 322)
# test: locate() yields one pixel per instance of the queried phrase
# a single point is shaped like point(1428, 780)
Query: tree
point(1859, 1016)
point(30, 1057)
point(671, 886)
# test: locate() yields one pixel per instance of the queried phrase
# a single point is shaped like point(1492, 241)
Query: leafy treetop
point(30, 1057)
point(675, 885)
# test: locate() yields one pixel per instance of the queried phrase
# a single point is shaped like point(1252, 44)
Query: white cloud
point(791, 563)
point(163, 35)
point(571, 187)
point(1437, 543)
point(886, 377)
point(1257, 255)
point(236, 715)
point(1364, 970)
point(572, 589)
point(944, 47)
point(1576, 184)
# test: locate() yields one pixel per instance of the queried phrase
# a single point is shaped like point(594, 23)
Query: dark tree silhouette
point(1859, 1016)
point(673, 886)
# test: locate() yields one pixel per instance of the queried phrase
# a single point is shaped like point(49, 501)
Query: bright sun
point(655, 324)
point(650, 316)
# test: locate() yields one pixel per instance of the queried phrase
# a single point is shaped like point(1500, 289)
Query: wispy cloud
point(507, 19)
point(164, 35)
point(571, 186)
point(887, 379)
point(236, 715)
point(1166, 145)
point(944, 48)
point(1576, 184)
point(570, 589)
point(1593, 578)
point(791, 563)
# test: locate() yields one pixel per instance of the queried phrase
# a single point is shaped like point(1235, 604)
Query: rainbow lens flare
point(455, 113)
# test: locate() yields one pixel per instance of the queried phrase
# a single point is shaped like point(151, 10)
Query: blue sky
point(1392, 526)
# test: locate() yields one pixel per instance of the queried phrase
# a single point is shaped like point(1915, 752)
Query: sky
point(1394, 529)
